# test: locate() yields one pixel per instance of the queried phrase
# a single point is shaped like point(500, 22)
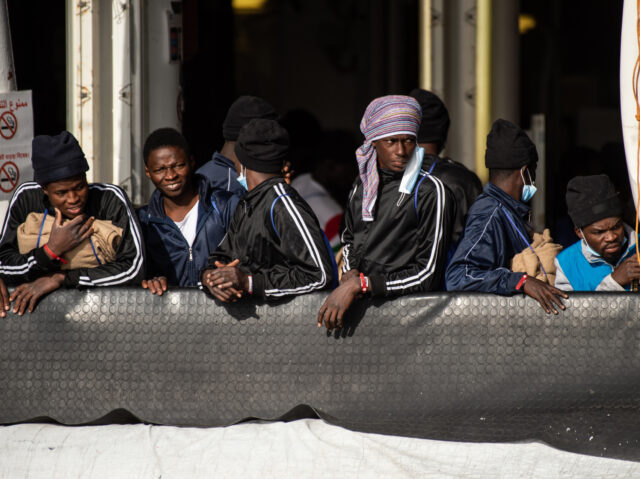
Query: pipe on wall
point(425, 44)
point(483, 83)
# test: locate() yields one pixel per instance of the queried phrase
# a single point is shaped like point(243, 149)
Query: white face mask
point(412, 171)
point(242, 177)
point(527, 190)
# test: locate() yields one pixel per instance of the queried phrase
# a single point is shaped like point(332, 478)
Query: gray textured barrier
point(443, 366)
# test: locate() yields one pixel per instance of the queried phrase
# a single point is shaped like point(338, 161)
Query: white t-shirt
point(189, 223)
point(323, 205)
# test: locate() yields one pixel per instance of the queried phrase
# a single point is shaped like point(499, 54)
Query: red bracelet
point(53, 255)
point(364, 284)
point(521, 282)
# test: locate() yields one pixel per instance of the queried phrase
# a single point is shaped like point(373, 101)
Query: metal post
point(121, 94)
point(483, 84)
point(459, 35)
point(505, 71)
point(80, 78)
point(425, 44)
point(7, 69)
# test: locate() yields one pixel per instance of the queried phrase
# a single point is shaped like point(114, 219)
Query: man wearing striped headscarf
point(398, 221)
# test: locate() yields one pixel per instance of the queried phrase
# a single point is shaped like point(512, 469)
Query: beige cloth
point(106, 238)
point(527, 262)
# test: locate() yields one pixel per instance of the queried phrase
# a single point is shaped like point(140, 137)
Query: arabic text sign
point(16, 118)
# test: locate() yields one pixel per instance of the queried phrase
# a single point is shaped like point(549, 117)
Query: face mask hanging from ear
point(527, 190)
point(412, 171)
point(589, 248)
point(242, 177)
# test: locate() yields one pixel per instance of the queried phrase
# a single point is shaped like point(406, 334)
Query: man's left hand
point(545, 294)
point(338, 302)
point(227, 282)
point(28, 294)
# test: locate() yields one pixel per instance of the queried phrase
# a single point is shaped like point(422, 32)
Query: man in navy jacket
point(497, 224)
point(187, 215)
point(224, 165)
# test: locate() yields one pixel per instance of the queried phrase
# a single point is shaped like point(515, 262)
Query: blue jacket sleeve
point(481, 262)
point(229, 209)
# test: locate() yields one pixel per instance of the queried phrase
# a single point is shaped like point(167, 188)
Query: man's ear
point(146, 172)
point(578, 233)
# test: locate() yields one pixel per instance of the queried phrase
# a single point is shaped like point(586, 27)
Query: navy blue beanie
point(56, 158)
point(509, 147)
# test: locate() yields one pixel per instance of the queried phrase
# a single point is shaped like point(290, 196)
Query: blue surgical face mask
point(527, 190)
point(592, 251)
point(242, 177)
point(589, 248)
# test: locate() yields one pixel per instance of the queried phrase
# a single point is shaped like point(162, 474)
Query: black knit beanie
point(241, 111)
point(509, 147)
point(592, 198)
point(56, 158)
point(435, 118)
point(262, 146)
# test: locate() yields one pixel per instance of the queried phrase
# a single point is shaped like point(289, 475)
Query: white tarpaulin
point(305, 448)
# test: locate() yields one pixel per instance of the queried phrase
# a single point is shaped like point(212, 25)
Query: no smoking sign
point(9, 176)
point(8, 125)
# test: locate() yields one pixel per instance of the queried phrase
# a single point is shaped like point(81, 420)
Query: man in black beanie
point(432, 136)
point(604, 259)
point(223, 168)
point(497, 224)
point(274, 246)
point(56, 217)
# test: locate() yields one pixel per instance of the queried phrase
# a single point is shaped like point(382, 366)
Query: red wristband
point(54, 256)
point(364, 284)
point(521, 282)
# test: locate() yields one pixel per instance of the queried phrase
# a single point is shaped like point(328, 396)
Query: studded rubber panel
point(460, 367)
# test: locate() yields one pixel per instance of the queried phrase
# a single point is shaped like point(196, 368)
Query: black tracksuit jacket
point(404, 249)
point(104, 202)
point(277, 238)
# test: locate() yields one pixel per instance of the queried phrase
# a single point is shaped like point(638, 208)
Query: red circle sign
point(9, 176)
point(8, 125)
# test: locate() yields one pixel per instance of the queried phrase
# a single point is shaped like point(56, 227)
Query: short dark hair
point(164, 137)
point(499, 174)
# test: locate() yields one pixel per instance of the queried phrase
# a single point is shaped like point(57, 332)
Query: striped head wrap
point(385, 116)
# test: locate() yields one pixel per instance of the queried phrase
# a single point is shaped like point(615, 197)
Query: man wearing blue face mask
point(224, 170)
point(605, 257)
point(497, 224)
point(397, 224)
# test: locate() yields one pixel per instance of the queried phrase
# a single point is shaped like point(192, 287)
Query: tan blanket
point(546, 249)
point(106, 238)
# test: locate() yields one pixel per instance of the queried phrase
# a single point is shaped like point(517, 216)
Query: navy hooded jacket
point(168, 253)
point(222, 174)
point(494, 233)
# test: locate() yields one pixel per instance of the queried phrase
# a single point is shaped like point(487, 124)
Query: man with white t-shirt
point(187, 216)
